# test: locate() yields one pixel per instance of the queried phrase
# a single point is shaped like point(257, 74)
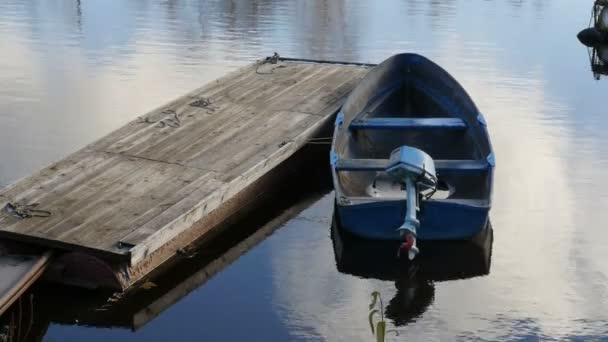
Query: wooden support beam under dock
point(125, 204)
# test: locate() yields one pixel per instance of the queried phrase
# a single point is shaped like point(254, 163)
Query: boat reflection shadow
point(414, 280)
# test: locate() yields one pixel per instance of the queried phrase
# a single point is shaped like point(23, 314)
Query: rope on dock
point(23, 211)
point(274, 59)
point(187, 254)
point(204, 103)
point(173, 120)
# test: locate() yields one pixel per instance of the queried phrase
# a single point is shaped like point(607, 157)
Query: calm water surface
point(72, 71)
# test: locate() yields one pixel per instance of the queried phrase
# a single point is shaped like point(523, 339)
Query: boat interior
point(414, 111)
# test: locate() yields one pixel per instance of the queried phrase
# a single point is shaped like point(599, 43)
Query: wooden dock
point(125, 204)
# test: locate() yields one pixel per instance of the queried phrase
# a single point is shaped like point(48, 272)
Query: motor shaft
point(410, 225)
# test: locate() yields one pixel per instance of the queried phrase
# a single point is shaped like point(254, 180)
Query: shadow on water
point(308, 179)
point(414, 281)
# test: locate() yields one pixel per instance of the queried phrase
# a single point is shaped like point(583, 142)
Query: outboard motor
point(416, 170)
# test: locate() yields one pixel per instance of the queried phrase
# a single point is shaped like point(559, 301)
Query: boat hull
point(410, 102)
point(438, 220)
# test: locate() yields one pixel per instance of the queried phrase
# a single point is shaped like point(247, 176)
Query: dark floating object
point(414, 281)
point(595, 37)
point(592, 37)
point(411, 156)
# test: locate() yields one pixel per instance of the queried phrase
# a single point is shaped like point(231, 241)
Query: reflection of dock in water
point(414, 281)
point(226, 252)
point(57, 304)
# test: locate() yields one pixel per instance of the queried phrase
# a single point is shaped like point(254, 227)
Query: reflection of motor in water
point(414, 295)
point(595, 37)
point(414, 280)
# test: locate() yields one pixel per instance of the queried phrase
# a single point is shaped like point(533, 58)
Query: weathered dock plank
point(128, 194)
point(19, 268)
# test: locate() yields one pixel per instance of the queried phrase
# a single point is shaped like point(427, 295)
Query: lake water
point(72, 71)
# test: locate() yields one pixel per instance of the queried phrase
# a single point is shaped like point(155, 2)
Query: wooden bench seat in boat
point(409, 123)
point(440, 165)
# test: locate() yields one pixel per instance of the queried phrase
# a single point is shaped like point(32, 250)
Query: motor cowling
point(407, 161)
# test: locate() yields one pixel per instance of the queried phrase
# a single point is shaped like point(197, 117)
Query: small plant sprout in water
point(376, 308)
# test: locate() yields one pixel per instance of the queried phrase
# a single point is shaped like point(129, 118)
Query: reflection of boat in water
point(413, 297)
point(411, 156)
point(414, 280)
point(595, 37)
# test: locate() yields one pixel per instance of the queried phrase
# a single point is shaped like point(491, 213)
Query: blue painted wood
point(381, 164)
point(439, 219)
point(409, 123)
point(461, 165)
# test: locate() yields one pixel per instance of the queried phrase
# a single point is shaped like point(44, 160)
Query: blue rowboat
point(411, 157)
